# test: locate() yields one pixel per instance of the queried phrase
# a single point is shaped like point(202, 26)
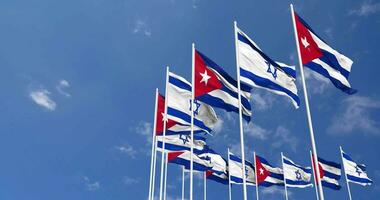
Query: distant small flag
point(179, 105)
point(235, 169)
point(183, 158)
point(320, 57)
point(258, 70)
point(296, 175)
point(356, 173)
point(172, 127)
point(267, 175)
point(330, 173)
point(181, 143)
point(217, 88)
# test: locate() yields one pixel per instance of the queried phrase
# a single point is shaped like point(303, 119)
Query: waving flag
point(172, 127)
point(216, 161)
point(330, 173)
point(217, 88)
point(320, 57)
point(181, 143)
point(183, 158)
point(258, 70)
point(218, 177)
point(296, 175)
point(267, 175)
point(356, 173)
point(235, 169)
point(179, 105)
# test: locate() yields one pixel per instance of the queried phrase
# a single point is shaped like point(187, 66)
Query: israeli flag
point(296, 175)
point(258, 70)
point(181, 143)
point(235, 169)
point(184, 158)
point(217, 162)
point(356, 173)
point(179, 105)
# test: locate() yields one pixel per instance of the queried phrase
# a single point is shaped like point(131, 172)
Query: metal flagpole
point(257, 184)
point(183, 183)
point(204, 186)
point(240, 114)
point(154, 169)
point(286, 191)
point(229, 176)
point(314, 148)
point(345, 174)
point(315, 178)
point(164, 133)
point(166, 175)
point(192, 119)
point(152, 160)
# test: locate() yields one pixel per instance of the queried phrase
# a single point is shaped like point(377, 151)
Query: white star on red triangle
point(305, 43)
point(205, 77)
point(164, 118)
point(261, 171)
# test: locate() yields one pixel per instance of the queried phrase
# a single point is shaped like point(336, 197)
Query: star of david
point(246, 171)
point(197, 105)
point(358, 170)
point(184, 138)
point(208, 158)
point(272, 69)
point(298, 174)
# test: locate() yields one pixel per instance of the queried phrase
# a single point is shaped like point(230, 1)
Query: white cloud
point(262, 100)
point(256, 131)
point(355, 114)
point(41, 97)
point(141, 27)
point(366, 8)
point(61, 86)
point(283, 137)
point(316, 83)
point(130, 180)
point(271, 191)
point(91, 186)
point(127, 149)
point(146, 130)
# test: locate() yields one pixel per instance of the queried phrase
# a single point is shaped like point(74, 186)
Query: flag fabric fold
point(181, 143)
point(356, 173)
point(183, 158)
point(330, 173)
point(258, 70)
point(267, 175)
point(296, 175)
point(320, 57)
point(235, 169)
point(217, 88)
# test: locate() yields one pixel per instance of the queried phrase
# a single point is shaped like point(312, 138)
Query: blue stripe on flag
point(291, 182)
point(330, 185)
point(331, 60)
point(179, 83)
point(333, 164)
point(268, 184)
point(359, 180)
point(187, 118)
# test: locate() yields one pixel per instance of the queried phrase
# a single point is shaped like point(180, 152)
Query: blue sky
point(78, 79)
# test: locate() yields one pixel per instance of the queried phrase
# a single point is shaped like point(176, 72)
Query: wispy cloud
point(41, 97)
point(316, 83)
point(62, 85)
point(127, 149)
point(90, 185)
point(130, 181)
point(256, 131)
point(141, 27)
point(262, 100)
point(272, 191)
point(284, 137)
point(145, 129)
point(366, 8)
point(355, 114)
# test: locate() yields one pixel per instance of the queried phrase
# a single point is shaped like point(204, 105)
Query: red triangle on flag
point(160, 116)
point(205, 79)
point(174, 155)
point(261, 172)
point(321, 172)
point(209, 173)
point(308, 47)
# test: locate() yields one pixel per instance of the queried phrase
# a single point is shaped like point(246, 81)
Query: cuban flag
point(183, 158)
point(267, 175)
point(218, 177)
point(296, 175)
point(217, 88)
point(258, 70)
point(320, 57)
point(330, 173)
point(235, 169)
point(181, 143)
point(179, 105)
point(172, 127)
point(356, 173)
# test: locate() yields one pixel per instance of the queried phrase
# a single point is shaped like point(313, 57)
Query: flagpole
point(164, 133)
point(257, 184)
point(229, 176)
point(240, 114)
point(183, 183)
point(166, 174)
point(345, 174)
point(286, 191)
point(192, 119)
point(315, 178)
point(313, 145)
point(204, 186)
point(152, 160)
point(154, 169)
